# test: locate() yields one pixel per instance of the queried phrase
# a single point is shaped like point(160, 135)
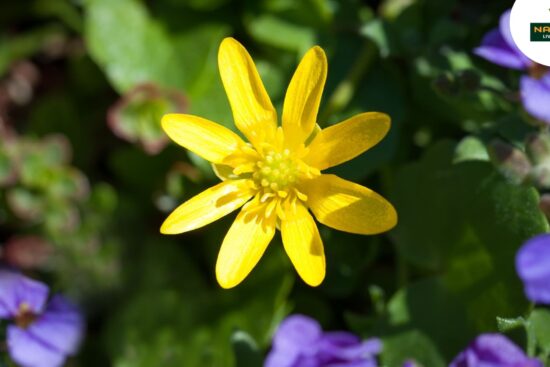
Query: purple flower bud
point(493, 350)
point(533, 267)
point(43, 334)
point(300, 342)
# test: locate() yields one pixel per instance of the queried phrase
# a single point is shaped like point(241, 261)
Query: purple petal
point(493, 350)
point(300, 342)
point(497, 348)
point(297, 332)
point(16, 289)
point(535, 95)
point(506, 31)
point(8, 302)
point(358, 351)
point(498, 47)
point(495, 49)
point(533, 267)
point(295, 339)
point(282, 358)
point(27, 351)
point(341, 338)
point(61, 326)
point(363, 363)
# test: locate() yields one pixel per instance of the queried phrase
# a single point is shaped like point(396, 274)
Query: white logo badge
point(530, 27)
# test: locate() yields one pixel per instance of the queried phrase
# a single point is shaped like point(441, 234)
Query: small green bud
point(510, 161)
point(469, 80)
point(540, 175)
point(538, 147)
point(446, 84)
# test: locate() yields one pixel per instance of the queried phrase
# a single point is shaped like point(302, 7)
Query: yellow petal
point(304, 96)
point(208, 206)
point(304, 246)
point(211, 141)
point(253, 111)
point(224, 172)
point(243, 246)
point(344, 141)
point(347, 206)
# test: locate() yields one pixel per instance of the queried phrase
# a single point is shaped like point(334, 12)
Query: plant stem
point(345, 91)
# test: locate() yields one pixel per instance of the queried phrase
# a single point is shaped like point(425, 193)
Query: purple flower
point(493, 350)
point(300, 342)
point(535, 95)
point(499, 48)
point(43, 333)
point(533, 267)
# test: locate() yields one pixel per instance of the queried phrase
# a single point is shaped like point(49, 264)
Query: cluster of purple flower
point(300, 342)
point(42, 333)
point(499, 48)
point(493, 350)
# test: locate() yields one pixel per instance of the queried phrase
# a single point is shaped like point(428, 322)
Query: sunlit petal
point(304, 246)
point(253, 111)
point(243, 246)
point(346, 140)
point(208, 206)
point(211, 141)
point(348, 207)
point(304, 96)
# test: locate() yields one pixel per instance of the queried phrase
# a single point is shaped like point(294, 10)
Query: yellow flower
point(276, 178)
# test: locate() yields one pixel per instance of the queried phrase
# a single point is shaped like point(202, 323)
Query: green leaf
point(466, 222)
point(173, 315)
point(407, 314)
point(470, 148)
point(411, 344)
point(376, 31)
point(477, 202)
point(186, 61)
point(277, 32)
point(423, 191)
point(132, 48)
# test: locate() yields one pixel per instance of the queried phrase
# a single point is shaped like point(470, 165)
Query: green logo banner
point(540, 32)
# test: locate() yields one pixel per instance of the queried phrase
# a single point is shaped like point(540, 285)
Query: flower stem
point(345, 91)
point(530, 334)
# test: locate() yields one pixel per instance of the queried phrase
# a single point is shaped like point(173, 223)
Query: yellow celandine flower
point(276, 177)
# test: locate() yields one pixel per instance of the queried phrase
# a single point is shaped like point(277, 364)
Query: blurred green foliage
point(87, 176)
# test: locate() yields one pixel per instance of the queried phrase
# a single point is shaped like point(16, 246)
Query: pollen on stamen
point(277, 173)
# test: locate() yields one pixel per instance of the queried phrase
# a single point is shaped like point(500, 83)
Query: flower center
point(276, 172)
point(25, 316)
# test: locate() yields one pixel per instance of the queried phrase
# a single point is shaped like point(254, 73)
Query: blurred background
point(87, 176)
